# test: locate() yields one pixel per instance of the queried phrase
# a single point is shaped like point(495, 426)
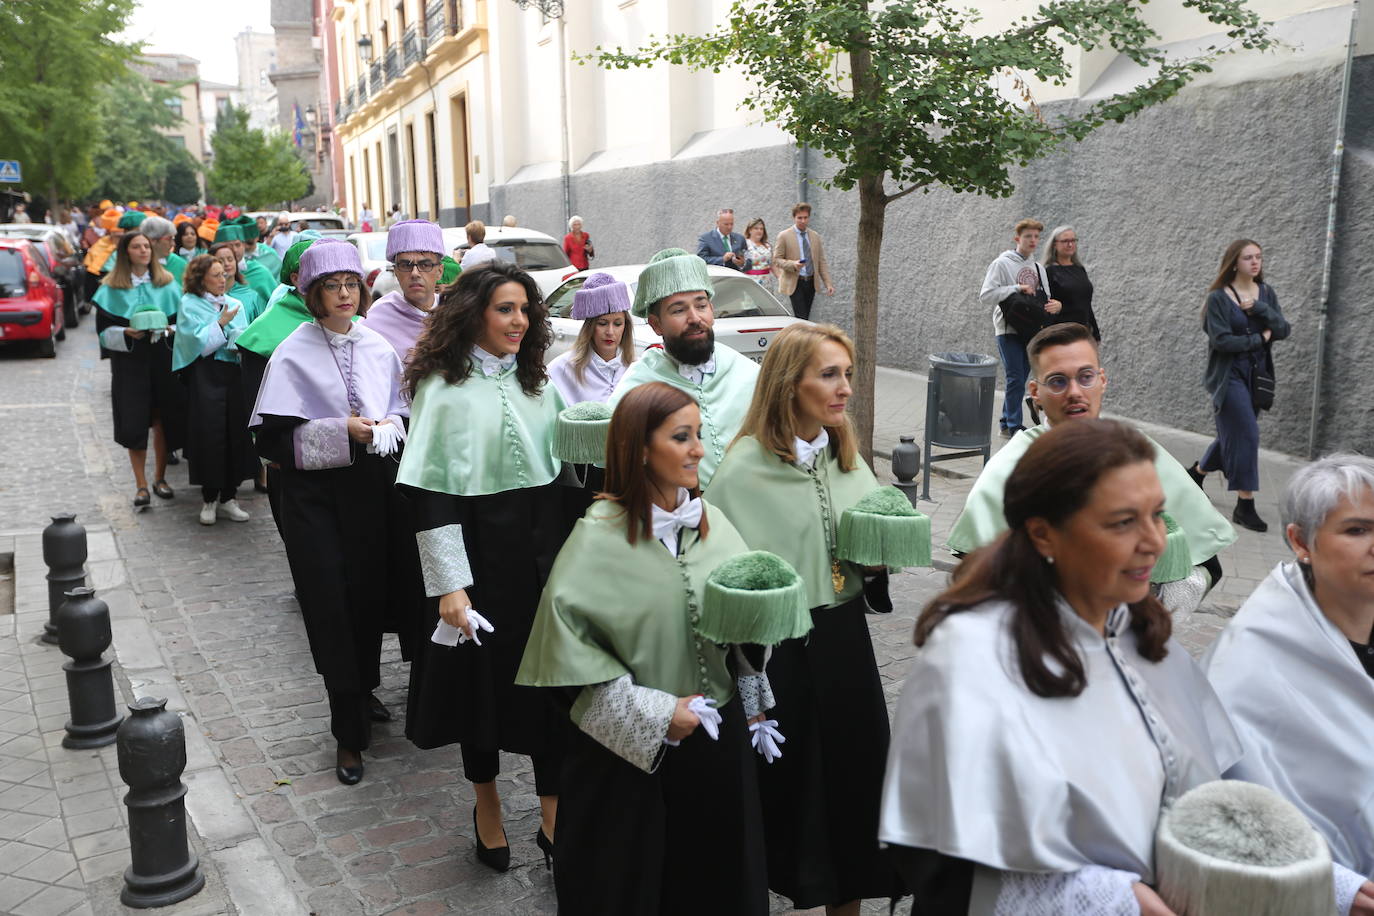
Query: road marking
point(35, 406)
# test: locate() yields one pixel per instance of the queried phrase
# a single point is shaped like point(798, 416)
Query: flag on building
point(300, 125)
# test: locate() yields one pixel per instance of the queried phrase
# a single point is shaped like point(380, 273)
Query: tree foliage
point(56, 52)
point(252, 167)
point(919, 93)
point(133, 159)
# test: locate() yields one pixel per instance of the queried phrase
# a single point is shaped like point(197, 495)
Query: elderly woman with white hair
point(162, 234)
point(577, 245)
point(1069, 280)
point(1295, 666)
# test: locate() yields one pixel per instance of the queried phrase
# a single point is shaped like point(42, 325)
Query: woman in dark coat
point(1069, 280)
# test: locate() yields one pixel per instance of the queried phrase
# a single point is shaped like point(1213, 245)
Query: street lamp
point(310, 116)
point(365, 48)
point(553, 9)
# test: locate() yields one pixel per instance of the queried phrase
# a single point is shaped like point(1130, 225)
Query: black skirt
point(821, 799)
point(143, 389)
point(685, 839)
point(467, 694)
point(218, 447)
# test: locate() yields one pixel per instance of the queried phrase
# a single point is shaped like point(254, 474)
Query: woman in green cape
point(481, 477)
point(655, 816)
point(785, 482)
point(143, 391)
point(253, 304)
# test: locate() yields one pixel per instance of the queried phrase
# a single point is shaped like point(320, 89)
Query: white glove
point(765, 738)
point(447, 635)
point(386, 439)
point(709, 718)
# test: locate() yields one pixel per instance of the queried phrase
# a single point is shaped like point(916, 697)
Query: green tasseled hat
point(670, 271)
point(1177, 560)
point(229, 231)
point(132, 219)
point(579, 436)
point(451, 270)
point(882, 529)
point(754, 598)
point(292, 262)
point(148, 319)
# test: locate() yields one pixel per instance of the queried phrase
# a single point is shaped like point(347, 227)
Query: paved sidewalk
point(206, 618)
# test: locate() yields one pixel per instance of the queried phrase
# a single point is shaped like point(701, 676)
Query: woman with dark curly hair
point(1048, 690)
point(480, 472)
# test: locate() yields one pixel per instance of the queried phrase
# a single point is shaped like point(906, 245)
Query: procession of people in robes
point(650, 573)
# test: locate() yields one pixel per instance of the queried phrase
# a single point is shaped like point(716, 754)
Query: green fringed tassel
point(755, 597)
point(1177, 560)
point(579, 436)
point(147, 320)
point(882, 529)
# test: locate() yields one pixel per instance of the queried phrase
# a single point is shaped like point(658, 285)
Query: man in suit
point(723, 246)
point(799, 258)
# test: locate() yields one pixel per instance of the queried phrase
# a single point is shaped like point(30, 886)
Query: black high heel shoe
point(348, 775)
point(496, 858)
point(545, 846)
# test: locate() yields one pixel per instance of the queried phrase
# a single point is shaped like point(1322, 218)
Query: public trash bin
point(960, 395)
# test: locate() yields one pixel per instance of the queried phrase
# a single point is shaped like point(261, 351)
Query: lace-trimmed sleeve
point(1091, 891)
point(443, 560)
point(629, 720)
point(755, 690)
point(1347, 885)
point(321, 444)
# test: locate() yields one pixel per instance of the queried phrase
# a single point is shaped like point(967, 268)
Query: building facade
point(299, 31)
point(257, 59)
point(183, 73)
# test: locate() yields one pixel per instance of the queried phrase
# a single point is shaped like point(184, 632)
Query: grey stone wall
point(1155, 201)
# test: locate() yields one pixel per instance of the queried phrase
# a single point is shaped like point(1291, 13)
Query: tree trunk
point(872, 211)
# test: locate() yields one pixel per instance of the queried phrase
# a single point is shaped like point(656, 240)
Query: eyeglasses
point(1058, 384)
point(405, 267)
point(333, 286)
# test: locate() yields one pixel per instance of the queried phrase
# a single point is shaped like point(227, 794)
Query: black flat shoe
point(163, 490)
point(376, 711)
point(173, 459)
point(348, 775)
point(493, 857)
point(141, 498)
point(545, 846)
point(1195, 472)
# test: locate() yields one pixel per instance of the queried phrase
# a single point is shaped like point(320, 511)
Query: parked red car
point(30, 299)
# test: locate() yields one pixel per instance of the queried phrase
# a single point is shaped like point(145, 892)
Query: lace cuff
point(756, 693)
point(321, 444)
point(628, 720)
point(443, 560)
point(1348, 884)
point(115, 339)
point(1091, 891)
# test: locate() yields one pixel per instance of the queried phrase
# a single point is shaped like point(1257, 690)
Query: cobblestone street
point(206, 618)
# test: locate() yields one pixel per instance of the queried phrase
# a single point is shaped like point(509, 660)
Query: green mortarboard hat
point(132, 219)
point(670, 271)
point(228, 231)
point(882, 529)
point(579, 436)
point(451, 271)
point(1176, 562)
point(292, 262)
point(754, 597)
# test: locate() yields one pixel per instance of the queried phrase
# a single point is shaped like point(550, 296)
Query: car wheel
point(69, 312)
point(48, 348)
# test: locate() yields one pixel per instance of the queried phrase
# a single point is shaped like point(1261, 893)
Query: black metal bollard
point(83, 628)
point(906, 464)
point(152, 755)
point(64, 553)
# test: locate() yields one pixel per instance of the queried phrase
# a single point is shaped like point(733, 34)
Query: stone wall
point(1155, 201)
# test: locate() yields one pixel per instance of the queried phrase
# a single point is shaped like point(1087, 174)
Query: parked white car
point(372, 252)
point(747, 315)
point(539, 254)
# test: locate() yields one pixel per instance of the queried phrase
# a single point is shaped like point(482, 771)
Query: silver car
point(747, 315)
point(539, 254)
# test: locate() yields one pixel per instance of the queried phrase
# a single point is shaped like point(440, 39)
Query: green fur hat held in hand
point(882, 529)
point(670, 271)
point(755, 597)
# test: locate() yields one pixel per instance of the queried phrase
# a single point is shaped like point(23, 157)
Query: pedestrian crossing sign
point(9, 171)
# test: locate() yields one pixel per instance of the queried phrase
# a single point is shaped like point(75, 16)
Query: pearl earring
point(1049, 560)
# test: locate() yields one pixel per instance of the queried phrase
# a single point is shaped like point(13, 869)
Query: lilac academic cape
point(398, 321)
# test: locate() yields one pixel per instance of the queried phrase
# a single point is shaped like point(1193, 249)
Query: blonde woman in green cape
point(784, 483)
point(659, 812)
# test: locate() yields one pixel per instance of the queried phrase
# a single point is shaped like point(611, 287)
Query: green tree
point(134, 159)
point(56, 53)
point(181, 186)
point(911, 91)
point(252, 167)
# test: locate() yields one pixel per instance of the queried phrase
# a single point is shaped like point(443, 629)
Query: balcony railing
point(442, 17)
point(362, 90)
point(375, 75)
point(392, 62)
point(410, 47)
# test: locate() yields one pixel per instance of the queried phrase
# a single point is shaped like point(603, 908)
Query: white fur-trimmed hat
point(1232, 848)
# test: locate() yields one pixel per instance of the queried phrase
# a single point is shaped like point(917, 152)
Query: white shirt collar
point(697, 374)
point(667, 524)
point(806, 452)
point(139, 279)
point(490, 363)
point(354, 333)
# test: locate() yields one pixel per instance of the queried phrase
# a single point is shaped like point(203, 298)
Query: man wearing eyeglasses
point(1067, 382)
point(415, 248)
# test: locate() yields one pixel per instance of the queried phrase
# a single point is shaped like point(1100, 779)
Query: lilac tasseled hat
point(414, 235)
point(325, 257)
point(600, 294)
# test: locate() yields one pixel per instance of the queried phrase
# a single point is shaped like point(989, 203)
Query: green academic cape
point(267, 256)
point(253, 304)
point(724, 398)
point(177, 265)
point(257, 276)
point(982, 520)
point(479, 437)
point(610, 609)
point(194, 321)
point(781, 508)
point(122, 303)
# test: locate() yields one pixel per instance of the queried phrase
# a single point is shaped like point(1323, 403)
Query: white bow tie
point(220, 300)
point(492, 364)
point(697, 374)
point(139, 279)
point(337, 340)
point(806, 452)
point(686, 515)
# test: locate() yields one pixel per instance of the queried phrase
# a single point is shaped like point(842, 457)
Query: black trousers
point(803, 296)
point(485, 766)
point(349, 722)
point(221, 494)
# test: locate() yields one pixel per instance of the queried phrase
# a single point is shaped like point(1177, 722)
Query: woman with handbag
point(1241, 317)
